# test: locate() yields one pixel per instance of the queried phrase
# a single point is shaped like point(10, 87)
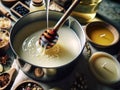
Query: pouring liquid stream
point(47, 12)
point(42, 50)
point(47, 3)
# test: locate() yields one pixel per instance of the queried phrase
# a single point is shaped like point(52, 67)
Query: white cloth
point(20, 77)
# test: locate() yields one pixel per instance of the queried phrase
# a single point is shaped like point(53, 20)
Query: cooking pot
point(37, 72)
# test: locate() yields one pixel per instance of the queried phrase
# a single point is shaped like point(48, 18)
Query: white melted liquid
point(66, 50)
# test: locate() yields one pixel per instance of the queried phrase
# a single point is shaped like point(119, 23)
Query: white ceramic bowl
point(105, 67)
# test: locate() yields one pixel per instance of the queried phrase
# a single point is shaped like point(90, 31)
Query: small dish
point(4, 41)
point(5, 23)
point(28, 85)
point(105, 67)
point(101, 34)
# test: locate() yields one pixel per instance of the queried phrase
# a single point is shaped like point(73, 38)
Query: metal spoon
point(49, 38)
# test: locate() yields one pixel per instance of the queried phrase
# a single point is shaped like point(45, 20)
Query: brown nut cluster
point(3, 61)
point(4, 79)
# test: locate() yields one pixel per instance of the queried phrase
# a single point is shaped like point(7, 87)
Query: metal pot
point(39, 72)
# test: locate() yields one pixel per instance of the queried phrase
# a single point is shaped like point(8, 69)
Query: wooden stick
point(65, 15)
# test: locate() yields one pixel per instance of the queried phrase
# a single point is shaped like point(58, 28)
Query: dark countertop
point(109, 10)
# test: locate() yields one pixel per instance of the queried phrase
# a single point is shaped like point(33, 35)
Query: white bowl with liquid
point(105, 67)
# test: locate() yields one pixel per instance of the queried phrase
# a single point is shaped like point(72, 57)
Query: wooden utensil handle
point(65, 15)
point(4, 12)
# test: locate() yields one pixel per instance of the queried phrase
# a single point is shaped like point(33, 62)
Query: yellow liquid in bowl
point(101, 36)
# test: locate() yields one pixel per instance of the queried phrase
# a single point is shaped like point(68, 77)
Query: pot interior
point(25, 34)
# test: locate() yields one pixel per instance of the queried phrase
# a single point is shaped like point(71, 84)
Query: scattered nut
point(80, 83)
point(4, 59)
point(38, 72)
point(4, 78)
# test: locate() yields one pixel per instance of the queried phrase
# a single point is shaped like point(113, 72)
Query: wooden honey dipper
point(49, 38)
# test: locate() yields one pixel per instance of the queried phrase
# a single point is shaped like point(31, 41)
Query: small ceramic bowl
point(5, 23)
point(105, 68)
point(4, 41)
point(28, 85)
point(101, 34)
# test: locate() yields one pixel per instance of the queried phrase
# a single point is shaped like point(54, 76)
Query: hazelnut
point(38, 72)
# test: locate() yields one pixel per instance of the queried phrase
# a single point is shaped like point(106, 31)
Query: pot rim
point(59, 13)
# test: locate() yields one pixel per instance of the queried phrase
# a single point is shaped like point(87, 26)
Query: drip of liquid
point(47, 11)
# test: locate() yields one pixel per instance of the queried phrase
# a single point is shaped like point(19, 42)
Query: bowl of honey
point(101, 34)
